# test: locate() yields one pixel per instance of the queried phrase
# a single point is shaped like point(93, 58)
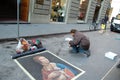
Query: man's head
point(73, 31)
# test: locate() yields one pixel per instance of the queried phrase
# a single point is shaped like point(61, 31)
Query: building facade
point(115, 10)
point(62, 11)
point(67, 11)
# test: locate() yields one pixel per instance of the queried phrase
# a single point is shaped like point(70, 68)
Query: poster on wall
point(47, 66)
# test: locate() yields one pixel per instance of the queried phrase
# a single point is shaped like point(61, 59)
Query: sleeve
point(75, 41)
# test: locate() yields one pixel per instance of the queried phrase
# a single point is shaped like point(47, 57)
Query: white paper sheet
point(68, 39)
point(110, 55)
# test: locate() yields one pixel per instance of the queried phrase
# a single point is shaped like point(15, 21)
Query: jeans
point(77, 49)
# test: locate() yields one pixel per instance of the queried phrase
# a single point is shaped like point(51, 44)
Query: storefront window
point(58, 10)
point(83, 9)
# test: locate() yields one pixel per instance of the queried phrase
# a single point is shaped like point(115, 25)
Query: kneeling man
point(80, 42)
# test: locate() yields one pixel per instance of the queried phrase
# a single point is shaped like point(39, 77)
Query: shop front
point(53, 11)
point(24, 10)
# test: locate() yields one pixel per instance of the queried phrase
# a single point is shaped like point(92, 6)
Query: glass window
point(58, 10)
point(83, 9)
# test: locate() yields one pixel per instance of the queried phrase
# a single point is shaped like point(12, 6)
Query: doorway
point(96, 13)
point(97, 9)
point(8, 10)
point(58, 10)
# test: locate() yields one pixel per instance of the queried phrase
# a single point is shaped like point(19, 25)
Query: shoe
point(87, 53)
point(118, 66)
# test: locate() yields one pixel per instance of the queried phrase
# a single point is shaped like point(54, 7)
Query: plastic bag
point(22, 46)
point(102, 26)
point(19, 47)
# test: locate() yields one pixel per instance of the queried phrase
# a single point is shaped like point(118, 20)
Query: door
point(24, 10)
point(96, 13)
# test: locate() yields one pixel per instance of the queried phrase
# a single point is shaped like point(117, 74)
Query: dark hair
point(73, 30)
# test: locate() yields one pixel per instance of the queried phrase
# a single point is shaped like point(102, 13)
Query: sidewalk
point(10, 31)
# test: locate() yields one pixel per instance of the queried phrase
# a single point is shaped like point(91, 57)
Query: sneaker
point(87, 53)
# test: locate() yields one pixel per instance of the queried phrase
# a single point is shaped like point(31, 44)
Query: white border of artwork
point(32, 78)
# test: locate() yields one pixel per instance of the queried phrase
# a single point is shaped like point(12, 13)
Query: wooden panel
point(24, 9)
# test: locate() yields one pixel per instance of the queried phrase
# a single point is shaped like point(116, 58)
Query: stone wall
point(73, 10)
point(40, 13)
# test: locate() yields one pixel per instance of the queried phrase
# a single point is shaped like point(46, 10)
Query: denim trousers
point(77, 49)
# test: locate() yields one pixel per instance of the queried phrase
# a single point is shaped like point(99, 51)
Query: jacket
point(80, 39)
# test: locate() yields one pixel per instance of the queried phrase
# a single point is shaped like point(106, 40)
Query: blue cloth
point(62, 66)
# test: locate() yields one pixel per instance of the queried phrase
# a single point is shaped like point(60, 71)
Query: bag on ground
point(102, 26)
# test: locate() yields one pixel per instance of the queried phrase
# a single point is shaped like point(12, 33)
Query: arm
point(44, 75)
point(54, 75)
point(75, 41)
point(55, 66)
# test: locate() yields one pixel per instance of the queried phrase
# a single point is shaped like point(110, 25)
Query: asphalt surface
point(95, 67)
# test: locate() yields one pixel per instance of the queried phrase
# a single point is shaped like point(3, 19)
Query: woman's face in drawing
point(42, 60)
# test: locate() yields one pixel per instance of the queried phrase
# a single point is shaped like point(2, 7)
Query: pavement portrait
point(96, 66)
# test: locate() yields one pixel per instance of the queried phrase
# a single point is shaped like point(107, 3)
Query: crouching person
point(80, 42)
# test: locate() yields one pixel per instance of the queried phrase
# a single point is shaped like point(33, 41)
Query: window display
point(83, 9)
point(58, 10)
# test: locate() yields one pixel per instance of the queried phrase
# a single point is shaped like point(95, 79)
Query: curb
point(36, 36)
